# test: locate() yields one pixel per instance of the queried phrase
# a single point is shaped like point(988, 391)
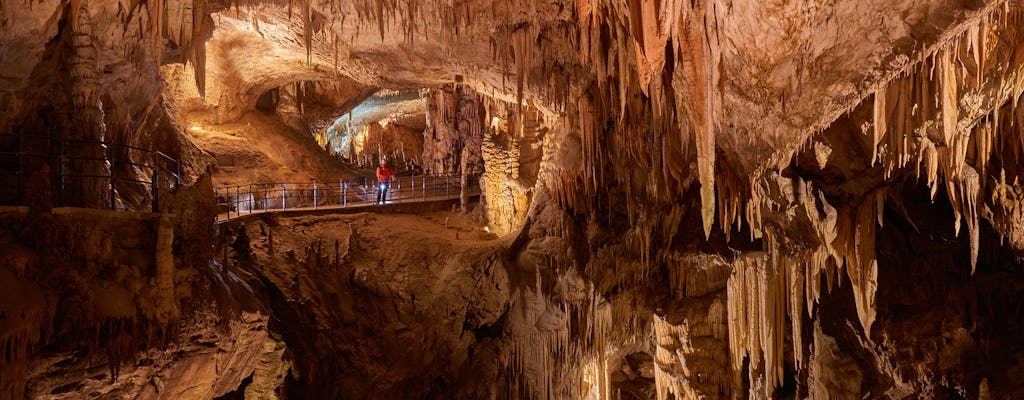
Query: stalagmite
point(664, 382)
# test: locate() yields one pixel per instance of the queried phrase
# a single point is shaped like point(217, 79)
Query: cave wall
point(127, 304)
point(786, 128)
point(512, 151)
point(115, 296)
point(402, 146)
point(366, 290)
point(455, 129)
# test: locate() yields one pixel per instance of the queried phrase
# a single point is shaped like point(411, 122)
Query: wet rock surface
point(376, 305)
point(728, 199)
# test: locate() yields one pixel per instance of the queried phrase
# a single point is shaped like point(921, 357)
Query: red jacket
point(384, 174)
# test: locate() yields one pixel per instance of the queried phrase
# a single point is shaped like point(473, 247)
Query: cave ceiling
point(751, 80)
point(788, 126)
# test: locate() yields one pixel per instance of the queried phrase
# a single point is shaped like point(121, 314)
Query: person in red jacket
point(384, 177)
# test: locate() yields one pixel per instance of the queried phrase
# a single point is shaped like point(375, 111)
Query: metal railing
point(236, 200)
point(76, 163)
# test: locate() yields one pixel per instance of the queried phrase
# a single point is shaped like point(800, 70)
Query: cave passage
point(400, 118)
point(593, 199)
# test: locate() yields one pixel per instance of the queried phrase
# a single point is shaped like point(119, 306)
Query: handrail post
point(424, 188)
point(251, 200)
point(447, 190)
point(343, 192)
point(216, 203)
point(265, 190)
point(238, 200)
point(314, 194)
point(284, 195)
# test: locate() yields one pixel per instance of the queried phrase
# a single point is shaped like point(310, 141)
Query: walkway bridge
point(109, 173)
point(239, 201)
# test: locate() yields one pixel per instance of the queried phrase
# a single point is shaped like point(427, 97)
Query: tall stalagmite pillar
point(83, 159)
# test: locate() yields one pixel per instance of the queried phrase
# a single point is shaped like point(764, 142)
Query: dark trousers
point(382, 191)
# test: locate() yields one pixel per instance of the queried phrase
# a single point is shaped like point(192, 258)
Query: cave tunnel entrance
point(319, 143)
point(389, 125)
point(267, 102)
point(428, 132)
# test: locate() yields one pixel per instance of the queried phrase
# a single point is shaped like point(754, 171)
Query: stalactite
point(825, 225)
point(929, 156)
point(410, 21)
point(971, 191)
point(703, 91)
point(380, 18)
point(179, 22)
point(591, 155)
point(856, 243)
point(880, 123)
point(903, 132)
point(197, 45)
point(949, 98)
point(978, 38)
point(307, 29)
point(156, 12)
point(756, 294)
point(731, 194)
point(25, 322)
point(984, 138)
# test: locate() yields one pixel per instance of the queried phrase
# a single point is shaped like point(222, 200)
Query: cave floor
point(264, 148)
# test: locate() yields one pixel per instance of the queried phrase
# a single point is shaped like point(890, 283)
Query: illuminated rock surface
point(689, 199)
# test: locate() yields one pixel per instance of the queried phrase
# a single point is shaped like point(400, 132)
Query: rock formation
point(692, 199)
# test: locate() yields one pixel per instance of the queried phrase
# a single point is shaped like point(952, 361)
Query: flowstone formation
point(698, 199)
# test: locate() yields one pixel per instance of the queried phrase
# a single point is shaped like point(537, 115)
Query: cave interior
point(593, 199)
